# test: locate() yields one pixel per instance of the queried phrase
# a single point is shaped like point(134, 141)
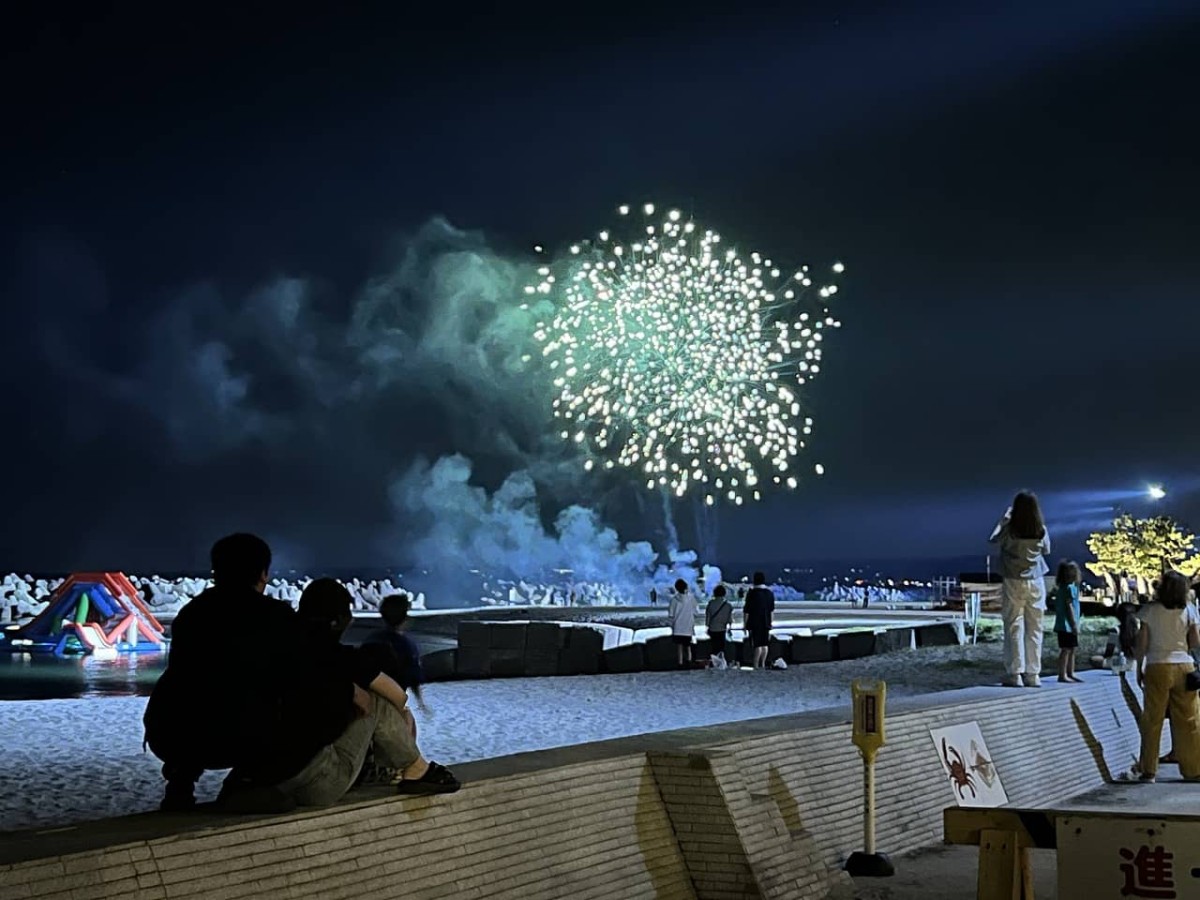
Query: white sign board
point(1118, 859)
point(968, 765)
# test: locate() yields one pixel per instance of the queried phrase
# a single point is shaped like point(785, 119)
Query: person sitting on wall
point(352, 707)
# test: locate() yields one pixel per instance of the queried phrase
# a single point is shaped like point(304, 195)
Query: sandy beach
point(67, 761)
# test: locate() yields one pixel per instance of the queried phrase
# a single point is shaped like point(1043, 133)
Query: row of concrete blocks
point(510, 649)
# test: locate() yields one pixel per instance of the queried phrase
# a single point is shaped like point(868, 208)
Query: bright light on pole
point(1156, 492)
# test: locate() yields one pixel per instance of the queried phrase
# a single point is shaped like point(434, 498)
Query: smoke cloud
point(406, 424)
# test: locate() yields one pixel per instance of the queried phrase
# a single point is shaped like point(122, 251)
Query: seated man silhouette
point(248, 687)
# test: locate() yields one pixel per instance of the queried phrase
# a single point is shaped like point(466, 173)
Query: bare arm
point(999, 529)
point(385, 687)
point(1193, 637)
point(1141, 645)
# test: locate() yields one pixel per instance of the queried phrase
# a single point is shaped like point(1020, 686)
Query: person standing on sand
point(1024, 544)
point(756, 618)
point(1170, 630)
point(682, 616)
point(717, 617)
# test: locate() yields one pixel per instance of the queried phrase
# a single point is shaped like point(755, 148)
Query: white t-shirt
point(682, 614)
point(1168, 632)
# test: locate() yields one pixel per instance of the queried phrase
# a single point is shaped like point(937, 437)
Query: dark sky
point(233, 299)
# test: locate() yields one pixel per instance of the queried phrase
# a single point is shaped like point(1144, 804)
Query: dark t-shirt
point(220, 698)
point(405, 666)
point(318, 705)
point(249, 685)
point(759, 608)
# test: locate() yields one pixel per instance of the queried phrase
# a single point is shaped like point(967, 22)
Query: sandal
point(436, 780)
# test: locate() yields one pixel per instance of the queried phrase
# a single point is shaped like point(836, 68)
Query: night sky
point(257, 263)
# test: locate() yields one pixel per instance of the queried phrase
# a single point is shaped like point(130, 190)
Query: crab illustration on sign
point(968, 765)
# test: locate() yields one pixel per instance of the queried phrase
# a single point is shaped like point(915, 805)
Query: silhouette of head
point(241, 560)
point(759, 579)
point(394, 609)
point(719, 591)
point(680, 586)
point(326, 603)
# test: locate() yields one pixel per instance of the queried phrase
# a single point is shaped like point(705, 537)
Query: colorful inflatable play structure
point(92, 612)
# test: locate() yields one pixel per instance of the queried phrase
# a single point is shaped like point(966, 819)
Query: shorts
point(1067, 640)
point(760, 637)
point(684, 640)
point(716, 642)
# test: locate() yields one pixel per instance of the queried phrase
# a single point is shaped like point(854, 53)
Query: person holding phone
point(1024, 545)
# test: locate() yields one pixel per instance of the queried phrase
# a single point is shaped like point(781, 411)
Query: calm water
point(27, 677)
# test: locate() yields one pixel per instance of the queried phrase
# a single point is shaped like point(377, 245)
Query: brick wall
point(763, 809)
point(1046, 745)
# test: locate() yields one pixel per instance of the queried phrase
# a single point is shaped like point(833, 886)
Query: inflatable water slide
point(93, 612)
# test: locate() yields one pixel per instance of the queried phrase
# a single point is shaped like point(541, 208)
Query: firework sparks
point(680, 359)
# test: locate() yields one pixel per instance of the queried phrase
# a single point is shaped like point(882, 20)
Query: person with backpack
point(717, 617)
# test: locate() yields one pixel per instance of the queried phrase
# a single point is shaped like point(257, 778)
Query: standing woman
point(1024, 544)
point(1167, 634)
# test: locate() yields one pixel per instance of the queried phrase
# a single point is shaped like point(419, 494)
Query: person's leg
point(1033, 612)
point(1154, 710)
point(335, 767)
point(1014, 632)
point(1185, 724)
point(1062, 664)
point(180, 793)
point(394, 741)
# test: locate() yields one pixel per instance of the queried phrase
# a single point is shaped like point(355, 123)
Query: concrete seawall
point(766, 808)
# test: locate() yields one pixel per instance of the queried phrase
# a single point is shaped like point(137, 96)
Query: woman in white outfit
point(1024, 544)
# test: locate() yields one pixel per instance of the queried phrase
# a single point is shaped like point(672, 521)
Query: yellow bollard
point(869, 699)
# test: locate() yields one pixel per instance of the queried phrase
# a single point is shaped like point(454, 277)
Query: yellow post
point(869, 699)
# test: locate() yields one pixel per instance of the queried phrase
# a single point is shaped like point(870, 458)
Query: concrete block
point(585, 640)
point(439, 665)
point(660, 654)
point(892, 640)
point(855, 644)
point(545, 638)
point(474, 634)
point(540, 663)
point(629, 658)
point(814, 648)
point(943, 634)
point(579, 661)
point(510, 663)
point(472, 662)
point(507, 636)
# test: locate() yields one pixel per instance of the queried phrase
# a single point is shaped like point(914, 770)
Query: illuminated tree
point(1143, 548)
point(682, 360)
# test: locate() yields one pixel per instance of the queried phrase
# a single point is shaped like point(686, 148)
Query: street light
point(1156, 492)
